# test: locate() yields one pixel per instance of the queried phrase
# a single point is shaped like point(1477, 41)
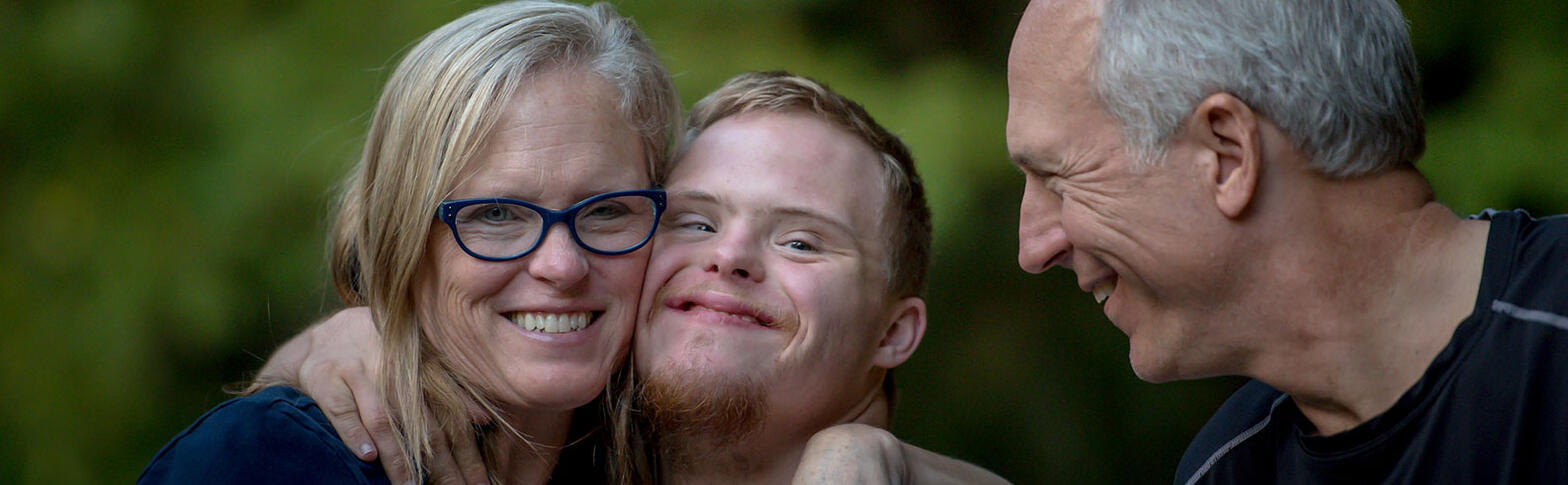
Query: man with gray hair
point(1234, 181)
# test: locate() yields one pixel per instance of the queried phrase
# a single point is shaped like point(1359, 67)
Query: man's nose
point(737, 255)
point(558, 261)
point(1042, 242)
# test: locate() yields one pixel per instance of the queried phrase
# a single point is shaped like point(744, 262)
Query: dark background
point(165, 169)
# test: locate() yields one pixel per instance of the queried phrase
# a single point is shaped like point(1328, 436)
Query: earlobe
point(903, 334)
point(1229, 129)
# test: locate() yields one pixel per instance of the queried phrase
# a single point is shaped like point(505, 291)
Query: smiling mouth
point(1102, 290)
point(553, 322)
point(737, 314)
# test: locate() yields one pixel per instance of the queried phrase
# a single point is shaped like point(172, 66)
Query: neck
point(698, 462)
point(532, 459)
point(769, 455)
point(1366, 285)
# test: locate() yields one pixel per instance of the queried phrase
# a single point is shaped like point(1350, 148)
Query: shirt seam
point(1236, 441)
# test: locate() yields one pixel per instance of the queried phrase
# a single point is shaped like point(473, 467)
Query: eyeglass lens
point(500, 230)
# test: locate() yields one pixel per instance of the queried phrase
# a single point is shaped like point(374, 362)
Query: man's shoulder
point(1246, 415)
point(1528, 254)
point(1530, 233)
point(274, 436)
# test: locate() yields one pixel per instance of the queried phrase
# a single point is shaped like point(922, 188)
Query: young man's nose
point(737, 255)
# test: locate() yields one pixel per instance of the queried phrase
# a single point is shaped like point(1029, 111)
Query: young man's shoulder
point(274, 436)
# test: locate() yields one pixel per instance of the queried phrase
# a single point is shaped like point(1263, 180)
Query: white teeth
point(552, 322)
point(1103, 289)
point(747, 318)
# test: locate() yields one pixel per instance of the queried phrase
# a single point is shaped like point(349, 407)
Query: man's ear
point(903, 334)
point(1229, 130)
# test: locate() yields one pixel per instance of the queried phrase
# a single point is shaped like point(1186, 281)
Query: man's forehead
point(1056, 33)
point(1048, 71)
point(790, 172)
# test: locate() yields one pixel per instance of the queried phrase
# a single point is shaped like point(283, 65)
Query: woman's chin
point(557, 389)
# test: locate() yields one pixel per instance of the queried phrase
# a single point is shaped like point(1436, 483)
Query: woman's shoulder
point(277, 435)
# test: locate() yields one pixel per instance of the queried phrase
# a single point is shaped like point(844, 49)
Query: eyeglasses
point(506, 229)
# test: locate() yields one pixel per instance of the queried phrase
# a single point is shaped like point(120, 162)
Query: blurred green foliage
point(166, 168)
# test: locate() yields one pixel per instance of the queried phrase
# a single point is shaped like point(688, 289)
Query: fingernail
point(365, 449)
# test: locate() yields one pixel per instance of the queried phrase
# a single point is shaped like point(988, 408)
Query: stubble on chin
point(697, 415)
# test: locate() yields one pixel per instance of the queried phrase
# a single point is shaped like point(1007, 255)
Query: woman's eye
point(607, 211)
point(699, 226)
point(495, 213)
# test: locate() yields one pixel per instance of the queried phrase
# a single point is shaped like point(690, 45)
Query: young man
point(1235, 182)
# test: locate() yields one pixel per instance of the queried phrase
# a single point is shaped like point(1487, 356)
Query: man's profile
point(1235, 182)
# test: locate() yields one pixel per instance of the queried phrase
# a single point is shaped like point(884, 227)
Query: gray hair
point(1337, 76)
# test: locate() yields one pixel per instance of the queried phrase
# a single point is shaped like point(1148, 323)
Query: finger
point(469, 461)
point(440, 464)
point(376, 421)
point(340, 401)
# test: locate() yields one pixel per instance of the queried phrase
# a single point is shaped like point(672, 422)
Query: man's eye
point(689, 221)
point(1054, 185)
point(799, 245)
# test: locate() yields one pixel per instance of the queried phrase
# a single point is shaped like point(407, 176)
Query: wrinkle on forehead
point(1048, 74)
point(557, 127)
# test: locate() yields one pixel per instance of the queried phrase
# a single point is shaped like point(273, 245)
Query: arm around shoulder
point(268, 437)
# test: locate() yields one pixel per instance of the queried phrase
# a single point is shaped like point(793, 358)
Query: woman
point(502, 323)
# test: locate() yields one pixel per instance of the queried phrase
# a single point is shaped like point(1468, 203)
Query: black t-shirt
point(1491, 408)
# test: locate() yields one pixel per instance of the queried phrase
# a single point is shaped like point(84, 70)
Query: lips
point(722, 305)
point(1100, 286)
point(549, 322)
point(1102, 290)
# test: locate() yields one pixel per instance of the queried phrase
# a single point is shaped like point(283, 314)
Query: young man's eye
point(799, 245)
point(689, 221)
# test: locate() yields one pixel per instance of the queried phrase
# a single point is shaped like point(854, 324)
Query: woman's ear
point(903, 333)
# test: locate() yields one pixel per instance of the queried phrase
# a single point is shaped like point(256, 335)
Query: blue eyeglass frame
point(447, 212)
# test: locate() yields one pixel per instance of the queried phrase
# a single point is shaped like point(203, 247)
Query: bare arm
point(858, 453)
point(337, 362)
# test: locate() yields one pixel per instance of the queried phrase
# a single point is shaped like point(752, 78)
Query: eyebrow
point(784, 211)
point(1029, 165)
point(694, 194)
point(1020, 161)
point(802, 212)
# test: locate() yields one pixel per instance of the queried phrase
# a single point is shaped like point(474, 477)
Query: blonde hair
point(908, 227)
point(435, 111)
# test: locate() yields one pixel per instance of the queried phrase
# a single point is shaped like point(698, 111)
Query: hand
point(853, 453)
point(337, 362)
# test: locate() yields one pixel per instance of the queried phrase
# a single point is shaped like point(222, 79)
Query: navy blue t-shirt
point(1491, 408)
point(274, 436)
